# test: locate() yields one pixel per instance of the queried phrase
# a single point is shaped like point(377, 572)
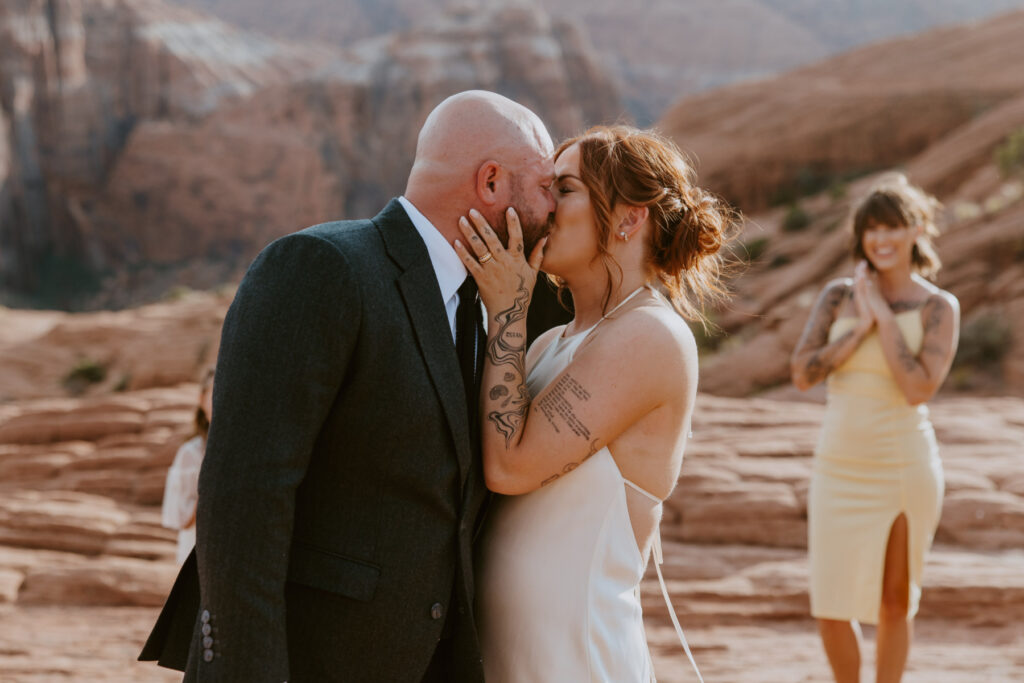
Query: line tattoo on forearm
point(508, 347)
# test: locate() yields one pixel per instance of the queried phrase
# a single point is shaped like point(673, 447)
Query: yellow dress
point(876, 457)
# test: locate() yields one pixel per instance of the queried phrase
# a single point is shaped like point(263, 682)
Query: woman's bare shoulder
point(650, 334)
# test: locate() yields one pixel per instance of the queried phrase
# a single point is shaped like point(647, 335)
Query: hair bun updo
point(622, 164)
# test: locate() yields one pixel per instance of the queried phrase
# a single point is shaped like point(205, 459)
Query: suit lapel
point(422, 297)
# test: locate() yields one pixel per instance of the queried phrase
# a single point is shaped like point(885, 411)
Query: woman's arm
point(527, 444)
point(814, 357)
point(920, 376)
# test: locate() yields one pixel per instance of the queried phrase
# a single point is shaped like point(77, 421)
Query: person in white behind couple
point(584, 435)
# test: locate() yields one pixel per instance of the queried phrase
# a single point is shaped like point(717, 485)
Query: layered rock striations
point(85, 563)
point(77, 77)
point(659, 50)
point(763, 142)
point(170, 142)
point(938, 107)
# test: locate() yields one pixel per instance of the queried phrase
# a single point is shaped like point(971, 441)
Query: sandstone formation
point(659, 50)
point(783, 136)
point(866, 110)
point(45, 353)
point(186, 146)
point(84, 563)
point(78, 76)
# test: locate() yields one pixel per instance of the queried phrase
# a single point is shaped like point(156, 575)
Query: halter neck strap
point(584, 333)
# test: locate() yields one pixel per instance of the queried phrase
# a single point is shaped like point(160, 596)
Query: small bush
point(984, 342)
point(755, 248)
point(124, 382)
point(796, 219)
point(1010, 154)
point(176, 293)
point(838, 190)
point(708, 337)
point(85, 372)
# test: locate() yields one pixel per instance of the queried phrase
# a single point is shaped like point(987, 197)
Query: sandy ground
point(41, 644)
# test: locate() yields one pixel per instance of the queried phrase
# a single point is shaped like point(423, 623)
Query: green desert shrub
point(984, 342)
point(796, 219)
point(85, 372)
point(1010, 154)
point(755, 248)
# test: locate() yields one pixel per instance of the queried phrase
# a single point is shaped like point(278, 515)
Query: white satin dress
point(559, 570)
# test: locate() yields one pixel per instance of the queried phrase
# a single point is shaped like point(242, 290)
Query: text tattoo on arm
point(557, 408)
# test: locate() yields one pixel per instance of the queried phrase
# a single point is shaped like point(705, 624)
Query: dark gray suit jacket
point(339, 494)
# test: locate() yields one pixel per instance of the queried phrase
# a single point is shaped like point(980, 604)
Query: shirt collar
point(448, 267)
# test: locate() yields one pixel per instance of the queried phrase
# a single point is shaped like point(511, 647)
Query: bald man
point(341, 487)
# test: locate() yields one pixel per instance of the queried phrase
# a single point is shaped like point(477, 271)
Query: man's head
point(483, 151)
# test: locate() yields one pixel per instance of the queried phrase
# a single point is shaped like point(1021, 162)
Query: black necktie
point(469, 342)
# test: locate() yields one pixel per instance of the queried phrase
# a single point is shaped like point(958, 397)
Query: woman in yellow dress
point(885, 340)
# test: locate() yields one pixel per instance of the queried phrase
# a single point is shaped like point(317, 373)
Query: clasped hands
point(867, 298)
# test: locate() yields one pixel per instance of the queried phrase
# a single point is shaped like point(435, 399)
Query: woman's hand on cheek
point(502, 275)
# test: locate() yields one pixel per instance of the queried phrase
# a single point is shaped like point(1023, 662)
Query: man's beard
point(534, 227)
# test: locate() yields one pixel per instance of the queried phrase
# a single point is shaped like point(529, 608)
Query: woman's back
point(559, 570)
point(560, 567)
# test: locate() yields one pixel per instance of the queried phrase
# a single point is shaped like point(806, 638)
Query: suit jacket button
point(207, 642)
point(206, 629)
point(207, 655)
point(436, 611)
point(205, 617)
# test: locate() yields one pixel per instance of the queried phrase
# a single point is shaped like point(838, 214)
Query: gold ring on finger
point(486, 257)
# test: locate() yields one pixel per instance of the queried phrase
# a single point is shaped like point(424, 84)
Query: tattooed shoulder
point(938, 308)
point(825, 311)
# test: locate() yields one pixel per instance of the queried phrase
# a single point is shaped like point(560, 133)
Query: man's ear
point(490, 178)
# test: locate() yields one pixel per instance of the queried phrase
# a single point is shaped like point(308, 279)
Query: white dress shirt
point(448, 267)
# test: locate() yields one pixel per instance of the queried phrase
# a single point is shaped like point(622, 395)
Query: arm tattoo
point(557, 408)
point(556, 404)
point(903, 306)
point(569, 467)
point(508, 347)
point(816, 334)
point(821, 363)
point(934, 313)
point(906, 358)
point(505, 348)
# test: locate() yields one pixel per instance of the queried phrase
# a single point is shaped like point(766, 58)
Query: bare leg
point(894, 629)
point(842, 645)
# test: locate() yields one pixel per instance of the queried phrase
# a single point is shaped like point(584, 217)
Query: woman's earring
point(624, 236)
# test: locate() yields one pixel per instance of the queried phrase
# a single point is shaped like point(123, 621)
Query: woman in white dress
point(583, 436)
point(181, 491)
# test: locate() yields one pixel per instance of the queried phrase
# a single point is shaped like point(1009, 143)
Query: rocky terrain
point(46, 354)
point(144, 145)
point(659, 50)
point(798, 151)
point(85, 565)
point(763, 142)
point(78, 77)
point(94, 405)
